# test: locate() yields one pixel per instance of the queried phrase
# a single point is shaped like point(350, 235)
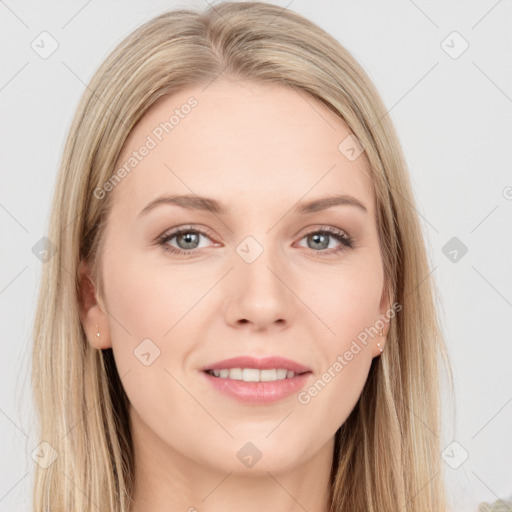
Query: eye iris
point(190, 238)
point(316, 238)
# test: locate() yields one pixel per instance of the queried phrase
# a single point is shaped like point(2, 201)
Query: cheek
point(146, 300)
point(348, 300)
point(349, 307)
point(144, 304)
point(330, 398)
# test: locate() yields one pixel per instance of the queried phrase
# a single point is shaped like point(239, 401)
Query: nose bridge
point(258, 294)
point(259, 273)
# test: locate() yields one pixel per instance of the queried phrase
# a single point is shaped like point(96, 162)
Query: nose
point(260, 295)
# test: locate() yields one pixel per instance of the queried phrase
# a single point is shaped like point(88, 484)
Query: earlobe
point(380, 339)
point(98, 342)
point(94, 319)
point(381, 342)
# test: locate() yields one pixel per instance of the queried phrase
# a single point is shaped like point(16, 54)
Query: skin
point(258, 149)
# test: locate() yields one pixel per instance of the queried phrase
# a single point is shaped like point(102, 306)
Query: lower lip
point(259, 392)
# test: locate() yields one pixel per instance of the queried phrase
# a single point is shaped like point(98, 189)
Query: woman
point(194, 347)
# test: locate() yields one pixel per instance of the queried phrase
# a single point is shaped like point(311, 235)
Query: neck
point(166, 479)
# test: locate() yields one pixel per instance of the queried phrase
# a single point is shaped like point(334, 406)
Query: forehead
point(241, 142)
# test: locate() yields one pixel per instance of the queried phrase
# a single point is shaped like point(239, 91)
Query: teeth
point(281, 374)
point(235, 373)
point(254, 375)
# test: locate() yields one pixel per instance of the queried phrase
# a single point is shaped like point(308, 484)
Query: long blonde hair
point(387, 453)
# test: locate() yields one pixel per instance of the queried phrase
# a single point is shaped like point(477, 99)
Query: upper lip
point(265, 363)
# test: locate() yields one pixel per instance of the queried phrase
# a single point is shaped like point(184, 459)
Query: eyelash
point(344, 238)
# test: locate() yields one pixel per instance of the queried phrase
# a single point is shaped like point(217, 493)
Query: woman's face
point(250, 275)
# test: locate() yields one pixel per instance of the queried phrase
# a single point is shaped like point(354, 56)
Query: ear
point(93, 315)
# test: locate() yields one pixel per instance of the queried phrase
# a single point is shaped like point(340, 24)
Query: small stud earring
point(98, 334)
point(378, 344)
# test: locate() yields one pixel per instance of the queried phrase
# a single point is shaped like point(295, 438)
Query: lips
point(266, 363)
point(257, 381)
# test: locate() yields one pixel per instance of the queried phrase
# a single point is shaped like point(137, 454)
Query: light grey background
point(453, 116)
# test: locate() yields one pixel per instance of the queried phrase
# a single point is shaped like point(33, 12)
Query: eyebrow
point(193, 202)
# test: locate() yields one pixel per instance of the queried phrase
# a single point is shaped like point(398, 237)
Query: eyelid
point(204, 230)
point(186, 227)
point(324, 227)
